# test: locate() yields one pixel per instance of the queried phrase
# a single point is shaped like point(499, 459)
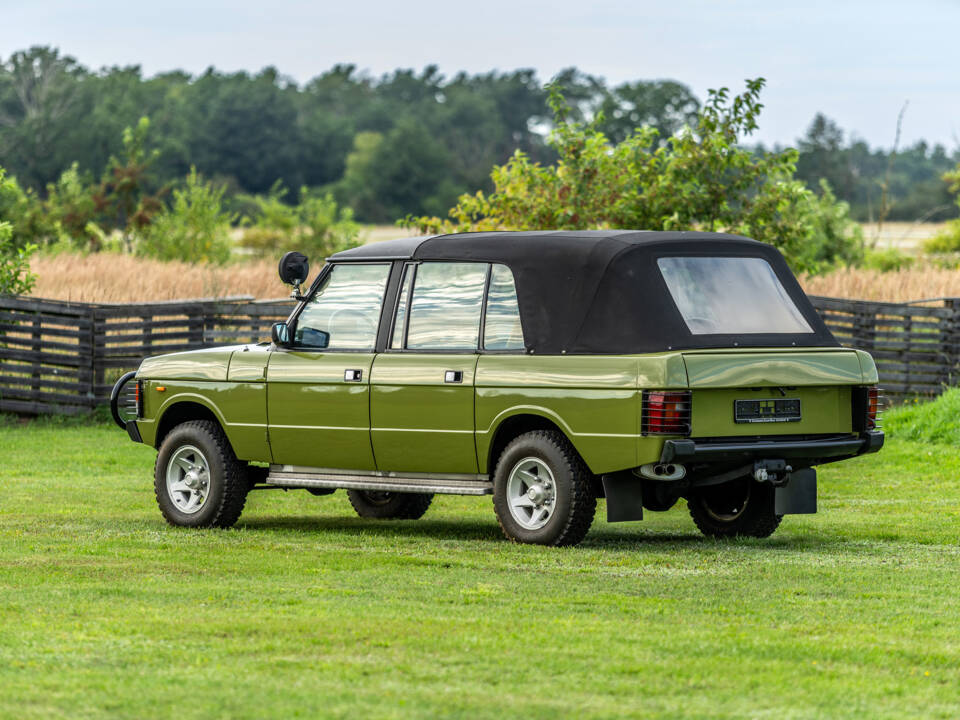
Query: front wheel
point(542, 490)
point(198, 480)
point(742, 507)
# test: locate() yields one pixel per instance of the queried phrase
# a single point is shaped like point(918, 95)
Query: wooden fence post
point(99, 351)
point(950, 340)
point(37, 347)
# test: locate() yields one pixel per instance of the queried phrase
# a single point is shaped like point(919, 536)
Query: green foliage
point(195, 228)
point(125, 193)
point(387, 174)
point(700, 178)
point(251, 129)
point(15, 275)
point(948, 240)
point(824, 233)
point(24, 211)
point(72, 212)
point(928, 422)
point(316, 226)
point(887, 260)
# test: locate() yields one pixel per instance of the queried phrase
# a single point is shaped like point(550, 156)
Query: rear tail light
point(868, 404)
point(874, 407)
point(665, 412)
point(138, 398)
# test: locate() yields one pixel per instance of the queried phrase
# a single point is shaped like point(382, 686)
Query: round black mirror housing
point(294, 268)
point(280, 334)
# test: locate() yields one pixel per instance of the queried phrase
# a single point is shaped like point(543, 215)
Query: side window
point(347, 307)
point(445, 306)
point(400, 319)
point(502, 329)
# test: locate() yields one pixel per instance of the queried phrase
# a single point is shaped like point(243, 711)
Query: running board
point(292, 476)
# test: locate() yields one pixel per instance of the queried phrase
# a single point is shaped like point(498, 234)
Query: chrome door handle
point(453, 376)
point(352, 375)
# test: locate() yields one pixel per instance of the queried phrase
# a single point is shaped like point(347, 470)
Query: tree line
point(406, 143)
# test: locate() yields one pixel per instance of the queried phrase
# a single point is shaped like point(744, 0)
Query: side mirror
point(294, 269)
point(280, 334)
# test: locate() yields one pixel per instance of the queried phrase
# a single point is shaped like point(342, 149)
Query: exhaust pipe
point(663, 471)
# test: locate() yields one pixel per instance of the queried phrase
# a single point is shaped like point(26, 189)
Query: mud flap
point(799, 495)
point(624, 494)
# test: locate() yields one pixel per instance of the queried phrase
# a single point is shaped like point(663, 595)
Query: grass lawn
point(304, 610)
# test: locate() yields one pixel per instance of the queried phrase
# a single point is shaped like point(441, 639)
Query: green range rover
point(547, 369)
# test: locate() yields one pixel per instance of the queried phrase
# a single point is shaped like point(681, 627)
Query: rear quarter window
point(730, 296)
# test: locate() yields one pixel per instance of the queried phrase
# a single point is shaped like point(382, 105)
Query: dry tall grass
point(108, 278)
point(917, 283)
point(121, 278)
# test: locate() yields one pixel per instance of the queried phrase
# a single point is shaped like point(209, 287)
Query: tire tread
point(583, 501)
point(236, 484)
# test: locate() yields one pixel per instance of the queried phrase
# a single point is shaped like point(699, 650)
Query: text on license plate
point(766, 411)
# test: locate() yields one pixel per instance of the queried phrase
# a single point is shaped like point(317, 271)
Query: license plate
point(767, 411)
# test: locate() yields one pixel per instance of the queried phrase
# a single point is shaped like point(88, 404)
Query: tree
point(701, 178)
point(127, 194)
point(822, 157)
point(39, 91)
point(385, 174)
point(246, 127)
point(665, 105)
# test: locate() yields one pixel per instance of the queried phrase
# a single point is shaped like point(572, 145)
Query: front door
point(318, 390)
point(422, 386)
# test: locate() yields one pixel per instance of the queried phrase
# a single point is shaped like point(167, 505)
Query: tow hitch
point(795, 490)
point(775, 472)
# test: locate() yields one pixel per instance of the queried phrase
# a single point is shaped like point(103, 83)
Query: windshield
point(730, 296)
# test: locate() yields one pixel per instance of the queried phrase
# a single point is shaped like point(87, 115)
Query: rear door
point(772, 392)
point(422, 386)
point(318, 398)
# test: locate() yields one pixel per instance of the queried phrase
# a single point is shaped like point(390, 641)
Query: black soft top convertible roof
point(600, 291)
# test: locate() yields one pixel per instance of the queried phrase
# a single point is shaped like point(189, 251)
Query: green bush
point(888, 260)
point(71, 211)
point(701, 178)
point(15, 275)
point(317, 226)
point(24, 211)
point(194, 228)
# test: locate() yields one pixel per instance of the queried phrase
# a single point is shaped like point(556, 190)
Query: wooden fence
point(916, 345)
point(60, 357)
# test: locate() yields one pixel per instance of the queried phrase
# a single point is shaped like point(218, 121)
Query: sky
point(856, 61)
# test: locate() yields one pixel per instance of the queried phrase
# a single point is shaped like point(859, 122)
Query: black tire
point(740, 508)
point(389, 505)
point(227, 480)
point(575, 502)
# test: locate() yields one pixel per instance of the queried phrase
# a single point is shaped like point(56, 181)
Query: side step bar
point(292, 476)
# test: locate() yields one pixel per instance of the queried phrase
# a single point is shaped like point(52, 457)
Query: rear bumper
point(814, 451)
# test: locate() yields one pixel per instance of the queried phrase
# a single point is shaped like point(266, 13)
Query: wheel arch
point(183, 409)
point(514, 423)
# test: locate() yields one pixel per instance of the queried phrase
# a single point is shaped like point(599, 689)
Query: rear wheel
point(384, 504)
point(742, 507)
point(198, 480)
point(542, 491)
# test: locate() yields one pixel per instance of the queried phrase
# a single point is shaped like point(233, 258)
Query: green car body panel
point(402, 417)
